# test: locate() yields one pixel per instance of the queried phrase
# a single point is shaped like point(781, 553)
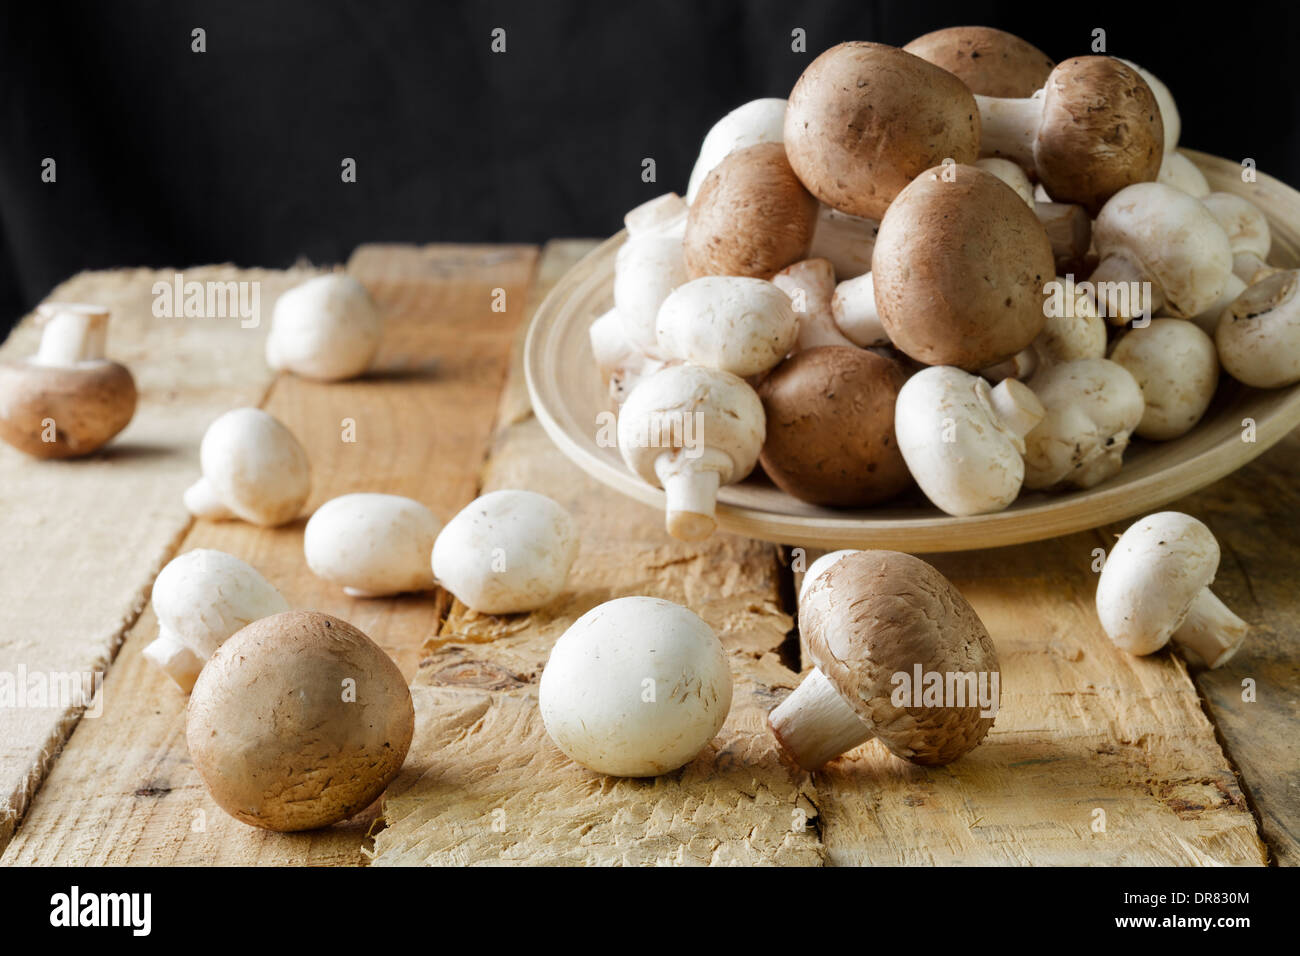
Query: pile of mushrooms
point(957, 266)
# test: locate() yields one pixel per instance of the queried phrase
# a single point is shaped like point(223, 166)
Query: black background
point(169, 157)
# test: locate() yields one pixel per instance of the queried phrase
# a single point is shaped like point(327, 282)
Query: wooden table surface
point(1095, 758)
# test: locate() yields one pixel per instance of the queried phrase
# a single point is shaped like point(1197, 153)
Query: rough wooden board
point(84, 539)
point(1082, 727)
point(485, 785)
point(124, 790)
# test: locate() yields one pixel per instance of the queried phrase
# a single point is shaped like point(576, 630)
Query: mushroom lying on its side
point(371, 544)
point(327, 328)
point(1249, 234)
point(884, 628)
point(253, 469)
point(68, 399)
point(810, 285)
point(636, 687)
point(1155, 587)
point(1259, 335)
point(298, 721)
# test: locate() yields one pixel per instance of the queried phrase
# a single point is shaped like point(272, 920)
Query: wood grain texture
point(124, 790)
point(83, 539)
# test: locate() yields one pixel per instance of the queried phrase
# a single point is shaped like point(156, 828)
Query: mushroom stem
point(1115, 279)
point(1017, 406)
point(73, 333)
point(1008, 127)
point(202, 501)
point(1210, 630)
point(815, 724)
point(1068, 229)
point(691, 485)
point(177, 661)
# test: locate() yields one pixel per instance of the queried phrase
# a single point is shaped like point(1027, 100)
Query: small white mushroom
point(739, 325)
point(758, 121)
point(636, 687)
point(621, 364)
point(1248, 234)
point(328, 328)
point(1073, 330)
point(1181, 173)
point(253, 469)
point(201, 598)
point(845, 241)
point(810, 284)
point(853, 307)
point(962, 440)
point(690, 430)
point(1152, 237)
point(648, 266)
point(1259, 335)
point(1155, 587)
point(1093, 405)
point(372, 544)
point(506, 552)
point(1175, 365)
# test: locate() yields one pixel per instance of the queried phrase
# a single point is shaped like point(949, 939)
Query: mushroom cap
point(371, 543)
point(830, 427)
point(1150, 578)
point(990, 62)
point(865, 119)
point(1172, 238)
point(327, 328)
point(758, 121)
point(966, 460)
point(298, 721)
point(1177, 369)
point(507, 551)
point(256, 466)
point(1093, 405)
point(203, 596)
point(875, 614)
point(752, 216)
point(819, 567)
point(1244, 222)
point(681, 404)
point(959, 269)
point(1259, 334)
point(1180, 172)
point(646, 269)
point(1170, 120)
point(636, 687)
point(1075, 331)
point(89, 403)
point(1100, 131)
point(739, 325)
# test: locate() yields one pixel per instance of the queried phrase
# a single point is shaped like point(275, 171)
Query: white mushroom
point(328, 328)
point(1154, 238)
point(506, 552)
point(201, 598)
point(1155, 587)
point(253, 469)
point(1248, 234)
point(1175, 365)
point(853, 308)
point(962, 440)
point(845, 241)
point(621, 364)
point(1181, 173)
point(1259, 335)
point(636, 687)
point(758, 121)
point(648, 266)
point(810, 284)
point(690, 430)
point(372, 544)
point(739, 325)
point(1093, 405)
point(1073, 330)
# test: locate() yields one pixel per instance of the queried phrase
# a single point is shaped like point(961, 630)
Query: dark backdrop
point(169, 157)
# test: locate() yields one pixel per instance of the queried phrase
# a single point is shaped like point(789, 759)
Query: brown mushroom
point(864, 119)
point(68, 399)
point(830, 427)
point(1093, 130)
point(990, 62)
point(752, 216)
point(298, 721)
point(959, 269)
point(900, 655)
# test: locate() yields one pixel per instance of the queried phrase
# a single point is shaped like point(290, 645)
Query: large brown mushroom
point(990, 62)
point(1094, 129)
point(298, 721)
point(864, 119)
point(752, 216)
point(830, 427)
point(959, 269)
point(900, 655)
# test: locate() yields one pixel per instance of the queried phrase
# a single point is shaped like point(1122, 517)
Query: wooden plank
point(124, 790)
point(484, 784)
point(84, 539)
